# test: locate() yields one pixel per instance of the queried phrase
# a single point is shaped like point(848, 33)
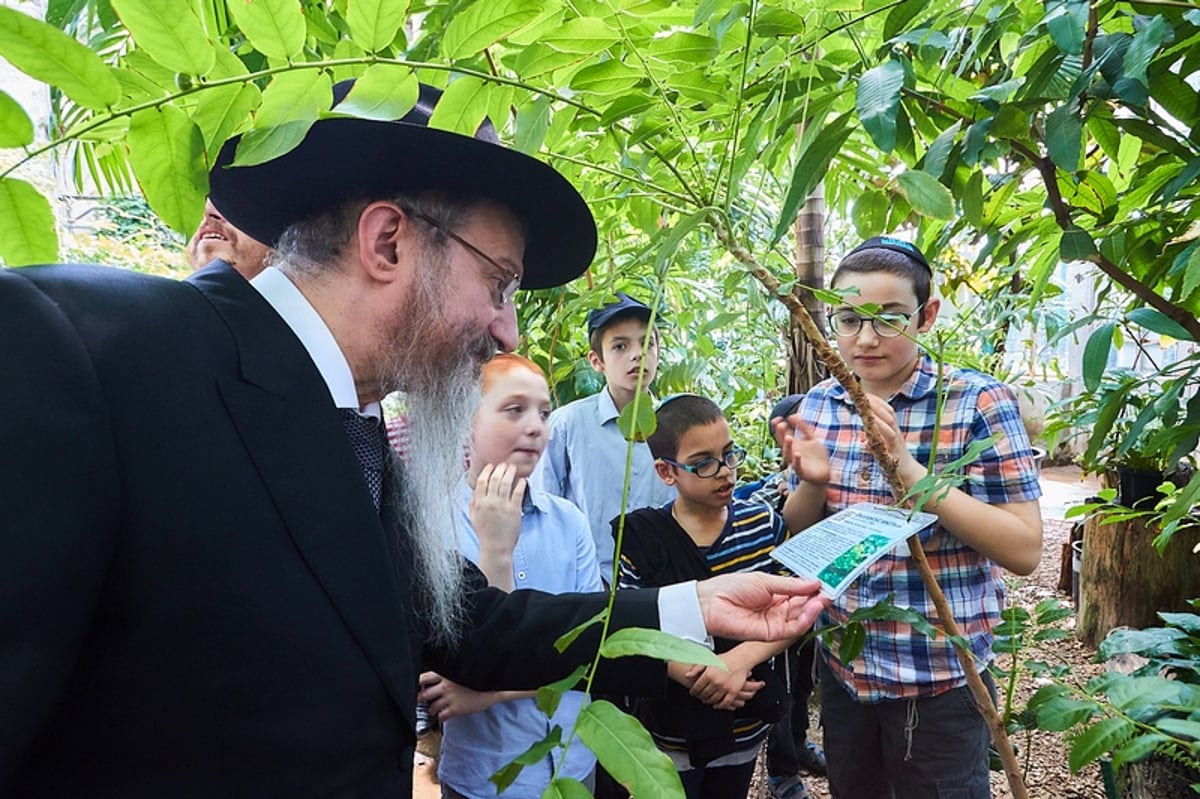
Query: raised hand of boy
point(495, 514)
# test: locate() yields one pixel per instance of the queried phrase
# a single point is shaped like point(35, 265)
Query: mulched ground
point(1043, 756)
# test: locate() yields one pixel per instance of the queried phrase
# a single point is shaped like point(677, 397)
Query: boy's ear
point(595, 360)
point(929, 314)
point(665, 472)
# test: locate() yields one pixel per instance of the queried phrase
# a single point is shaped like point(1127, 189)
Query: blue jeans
point(930, 748)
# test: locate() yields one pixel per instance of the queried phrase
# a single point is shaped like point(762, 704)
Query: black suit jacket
point(197, 597)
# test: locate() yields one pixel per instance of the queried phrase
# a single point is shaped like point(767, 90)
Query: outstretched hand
point(803, 452)
point(759, 607)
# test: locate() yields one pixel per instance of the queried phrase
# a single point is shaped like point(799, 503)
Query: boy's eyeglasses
point(711, 467)
point(889, 324)
point(507, 282)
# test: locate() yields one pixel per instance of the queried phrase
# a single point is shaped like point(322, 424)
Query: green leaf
point(534, 754)
point(1066, 21)
point(1095, 355)
point(626, 751)
point(1064, 136)
point(223, 111)
point(877, 102)
point(1188, 622)
point(1138, 748)
point(484, 23)
point(374, 23)
point(972, 199)
point(568, 638)
point(549, 696)
point(1146, 42)
point(275, 28)
point(16, 128)
point(811, 167)
point(169, 32)
point(49, 55)
point(291, 104)
point(582, 36)
point(927, 196)
point(1076, 244)
point(166, 153)
point(685, 47)
point(658, 645)
point(1063, 713)
point(1102, 737)
point(27, 233)
point(854, 638)
point(1181, 728)
point(607, 77)
point(1155, 320)
point(566, 788)
point(939, 151)
point(462, 107)
point(384, 92)
point(637, 420)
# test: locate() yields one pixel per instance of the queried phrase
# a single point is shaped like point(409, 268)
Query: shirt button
point(865, 475)
point(520, 575)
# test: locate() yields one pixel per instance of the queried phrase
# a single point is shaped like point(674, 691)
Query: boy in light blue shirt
point(585, 457)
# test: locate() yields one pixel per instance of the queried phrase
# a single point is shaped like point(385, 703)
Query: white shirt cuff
point(679, 613)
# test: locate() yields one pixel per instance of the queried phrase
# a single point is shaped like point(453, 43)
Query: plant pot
point(1138, 488)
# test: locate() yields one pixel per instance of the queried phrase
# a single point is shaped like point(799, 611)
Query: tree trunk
point(1124, 582)
point(805, 369)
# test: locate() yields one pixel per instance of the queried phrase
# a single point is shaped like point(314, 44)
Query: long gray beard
point(439, 423)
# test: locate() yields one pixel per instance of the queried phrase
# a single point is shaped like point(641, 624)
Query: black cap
point(785, 407)
point(895, 245)
point(625, 304)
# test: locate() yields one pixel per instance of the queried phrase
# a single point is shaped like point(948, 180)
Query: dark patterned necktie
point(370, 446)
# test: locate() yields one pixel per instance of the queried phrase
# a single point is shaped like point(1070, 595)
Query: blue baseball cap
point(895, 245)
point(625, 304)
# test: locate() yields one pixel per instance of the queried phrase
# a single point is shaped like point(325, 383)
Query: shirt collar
point(606, 409)
point(297, 312)
point(921, 382)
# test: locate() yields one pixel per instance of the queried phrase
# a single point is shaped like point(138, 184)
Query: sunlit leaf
point(549, 696)
point(584, 35)
point(926, 195)
point(483, 24)
point(566, 788)
point(290, 105)
point(224, 111)
point(638, 423)
point(462, 107)
point(658, 645)
point(685, 47)
point(27, 233)
point(811, 167)
point(16, 128)
point(166, 153)
point(374, 23)
point(384, 92)
point(276, 28)
point(170, 33)
point(47, 54)
point(1063, 713)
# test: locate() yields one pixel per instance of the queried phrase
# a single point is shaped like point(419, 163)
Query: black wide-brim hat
point(343, 158)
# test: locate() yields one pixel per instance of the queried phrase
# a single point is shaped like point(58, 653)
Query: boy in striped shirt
point(899, 720)
point(712, 723)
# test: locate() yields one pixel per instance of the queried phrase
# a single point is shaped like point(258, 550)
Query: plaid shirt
point(898, 661)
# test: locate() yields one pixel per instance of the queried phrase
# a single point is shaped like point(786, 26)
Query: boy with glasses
point(711, 723)
point(899, 720)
